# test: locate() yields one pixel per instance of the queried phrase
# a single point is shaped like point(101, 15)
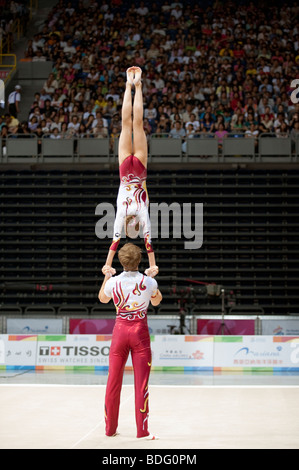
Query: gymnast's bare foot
point(130, 75)
point(137, 79)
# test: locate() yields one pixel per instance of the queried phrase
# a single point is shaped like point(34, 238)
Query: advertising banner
point(27, 326)
point(2, 352)
point(18, 351)
point(189, 352)
point(183, 352)
point(73, 351)
point(157, 326)
point(91, 326)
point(256, 352)
point(229, 327)
point(168, 326)
point(275, 326)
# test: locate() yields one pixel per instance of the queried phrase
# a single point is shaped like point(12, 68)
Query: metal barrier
point(160, 148)
point(6, 45)
point(270, 145)
point(18, 148)
point(90, 149)
point(233, 146)
point(207, 146)
point(8, 65)
point(265, 147)
point(63, 149)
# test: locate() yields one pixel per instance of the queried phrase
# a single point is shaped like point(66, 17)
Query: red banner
point(88, 326)
point(229, 327)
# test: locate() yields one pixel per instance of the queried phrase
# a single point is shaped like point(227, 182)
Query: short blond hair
point(129, 256)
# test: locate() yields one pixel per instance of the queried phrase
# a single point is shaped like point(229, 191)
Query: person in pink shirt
point(221, 133)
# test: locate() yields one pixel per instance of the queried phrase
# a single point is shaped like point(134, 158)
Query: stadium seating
point(50, 255)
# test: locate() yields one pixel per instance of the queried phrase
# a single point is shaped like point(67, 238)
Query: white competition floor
point(64, 410)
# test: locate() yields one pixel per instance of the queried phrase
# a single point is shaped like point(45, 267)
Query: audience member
point(211, 70)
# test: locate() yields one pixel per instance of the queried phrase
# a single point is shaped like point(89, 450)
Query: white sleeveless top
point(131, 292)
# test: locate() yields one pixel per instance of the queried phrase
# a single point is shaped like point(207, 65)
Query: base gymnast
point(132, 200)
point(131, 292)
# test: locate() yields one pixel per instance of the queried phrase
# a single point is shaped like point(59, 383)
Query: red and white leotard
point(132, 199)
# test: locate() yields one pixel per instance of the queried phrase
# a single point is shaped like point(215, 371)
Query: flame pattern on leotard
point(137, 187)
point(128, 311)
point(139, 287)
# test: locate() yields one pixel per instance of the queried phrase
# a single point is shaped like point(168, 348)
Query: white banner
point(283, 327)
point(2, 352)
point(168, 351)
point(256, 352)
point(182, 351)
point(18, 351)
point(27, 326)
point(73, 350)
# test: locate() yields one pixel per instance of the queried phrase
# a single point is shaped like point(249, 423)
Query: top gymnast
point(132, 199)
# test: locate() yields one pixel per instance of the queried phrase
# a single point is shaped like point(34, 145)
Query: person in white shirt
point(74, 124)
point(69, 49)
point(14, 99)
point(176, 12)
point(195, 123)
point(142, 10)
point(131, 292)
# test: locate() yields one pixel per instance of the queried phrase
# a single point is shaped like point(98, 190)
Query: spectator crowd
point(209, 67)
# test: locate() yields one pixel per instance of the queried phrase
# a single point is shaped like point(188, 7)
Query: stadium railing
point(20, 148)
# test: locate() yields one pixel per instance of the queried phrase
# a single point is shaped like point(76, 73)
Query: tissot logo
point(44, 351)
point(73, 351)
point(55, 351)
point(49, 350)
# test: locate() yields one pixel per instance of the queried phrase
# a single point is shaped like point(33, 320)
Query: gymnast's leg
point(118, 356)
point(125, 138)
point(140, 149)
point(124, 150)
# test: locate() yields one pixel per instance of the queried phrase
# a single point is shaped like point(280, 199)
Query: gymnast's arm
point(146, 225)
point(156, 298)
point(102, 296)
point(111, 254)
point(118, 225)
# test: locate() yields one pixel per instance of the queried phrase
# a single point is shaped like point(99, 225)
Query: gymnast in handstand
point(132, 200)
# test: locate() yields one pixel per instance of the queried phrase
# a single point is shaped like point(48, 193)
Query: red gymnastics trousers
point(129, 336)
